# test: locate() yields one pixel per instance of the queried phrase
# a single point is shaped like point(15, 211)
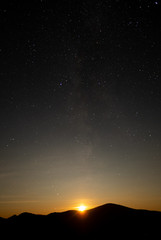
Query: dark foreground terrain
point(109, 221)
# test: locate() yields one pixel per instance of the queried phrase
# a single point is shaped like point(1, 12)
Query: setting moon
point(82, 208)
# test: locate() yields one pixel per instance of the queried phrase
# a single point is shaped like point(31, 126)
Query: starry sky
point(80, 104)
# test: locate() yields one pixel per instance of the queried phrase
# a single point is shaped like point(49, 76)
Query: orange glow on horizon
point(82, 208)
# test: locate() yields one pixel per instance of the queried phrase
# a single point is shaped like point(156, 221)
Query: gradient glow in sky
point(80, 105)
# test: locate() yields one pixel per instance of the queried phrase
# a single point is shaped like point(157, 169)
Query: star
point(12, 139)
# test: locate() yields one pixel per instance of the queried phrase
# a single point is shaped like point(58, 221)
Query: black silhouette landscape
point(104, 222)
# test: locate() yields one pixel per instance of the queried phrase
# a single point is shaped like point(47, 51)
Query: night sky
point(80, 104)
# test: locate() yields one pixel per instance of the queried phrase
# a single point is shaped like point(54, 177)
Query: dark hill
point(104, 222)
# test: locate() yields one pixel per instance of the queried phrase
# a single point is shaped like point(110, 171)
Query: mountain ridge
point(111, 205)
point(111, 220)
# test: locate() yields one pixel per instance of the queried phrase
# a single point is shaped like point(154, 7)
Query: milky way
point(80, 105)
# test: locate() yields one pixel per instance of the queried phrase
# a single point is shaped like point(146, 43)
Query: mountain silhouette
point(108, 221)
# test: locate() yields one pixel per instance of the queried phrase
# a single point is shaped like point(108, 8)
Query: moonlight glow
point(82, 208)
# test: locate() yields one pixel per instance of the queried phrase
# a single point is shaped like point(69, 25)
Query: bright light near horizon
point(82, 208)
